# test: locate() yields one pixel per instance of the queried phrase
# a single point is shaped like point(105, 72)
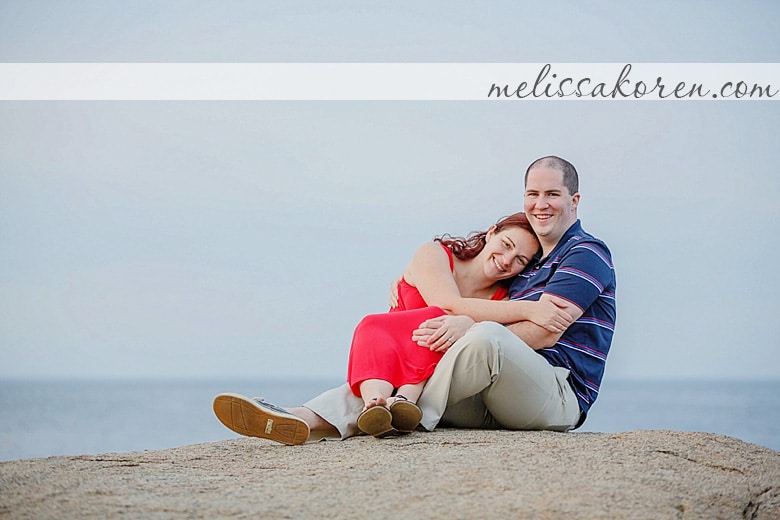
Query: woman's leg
point(410, 391)
point(375, 392)
point(382, 348)
point(406, 414)
point(375, 419)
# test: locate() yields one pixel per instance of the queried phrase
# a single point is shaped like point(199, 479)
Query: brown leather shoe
point(406, 415)
point(258, 418)
point(376, 421)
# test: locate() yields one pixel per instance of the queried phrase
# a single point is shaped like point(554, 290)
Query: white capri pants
point(488, 379)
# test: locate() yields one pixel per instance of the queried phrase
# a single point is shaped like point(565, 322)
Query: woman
point(452, 275)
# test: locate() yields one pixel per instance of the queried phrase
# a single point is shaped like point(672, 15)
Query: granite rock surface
point(449, 473)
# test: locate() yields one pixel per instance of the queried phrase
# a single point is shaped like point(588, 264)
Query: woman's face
point(507, 252)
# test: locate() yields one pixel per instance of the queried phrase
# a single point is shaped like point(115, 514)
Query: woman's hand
point(550, 316)
point(393, 301)
point(438, 334)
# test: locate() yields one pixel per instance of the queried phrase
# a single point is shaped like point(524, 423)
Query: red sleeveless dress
point(382, 346)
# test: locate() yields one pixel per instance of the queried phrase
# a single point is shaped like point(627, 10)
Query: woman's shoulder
point(429, 255)
point(433, 250)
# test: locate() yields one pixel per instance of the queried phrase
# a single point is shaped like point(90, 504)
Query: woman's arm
point(430, 272)
point(544, 313)
point(537, 337)
point(438, 334)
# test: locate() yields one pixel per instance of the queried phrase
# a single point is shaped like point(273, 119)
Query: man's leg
point(490, 378)
point(331, 414)
point(318, 427)
point(338, 409)
point(255, 417)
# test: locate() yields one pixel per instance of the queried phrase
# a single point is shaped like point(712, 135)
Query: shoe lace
point(262, 402)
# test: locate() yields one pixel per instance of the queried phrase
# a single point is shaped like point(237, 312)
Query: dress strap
point(449, 255)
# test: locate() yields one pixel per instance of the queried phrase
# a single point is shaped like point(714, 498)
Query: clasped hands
point(438, 334)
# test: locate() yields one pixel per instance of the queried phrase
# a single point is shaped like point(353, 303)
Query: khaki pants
point(488, 379)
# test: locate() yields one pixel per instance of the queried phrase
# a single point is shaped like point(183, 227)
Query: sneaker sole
point(245, 417)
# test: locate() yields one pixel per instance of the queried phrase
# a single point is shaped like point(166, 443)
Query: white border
point(385, 81)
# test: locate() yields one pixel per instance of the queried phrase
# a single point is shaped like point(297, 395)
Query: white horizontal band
point(390, 81)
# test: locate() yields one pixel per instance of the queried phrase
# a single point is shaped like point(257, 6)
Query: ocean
point(58, 417)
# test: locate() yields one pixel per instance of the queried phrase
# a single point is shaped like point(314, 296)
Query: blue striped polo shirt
point(580, 271)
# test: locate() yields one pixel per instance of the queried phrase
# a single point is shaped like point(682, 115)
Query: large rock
point(444, 474)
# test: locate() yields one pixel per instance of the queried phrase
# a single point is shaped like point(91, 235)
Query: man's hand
point(538, 337)
point(438, 334)
point(550, 314)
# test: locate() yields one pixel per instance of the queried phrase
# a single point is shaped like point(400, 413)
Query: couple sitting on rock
point(506, 328)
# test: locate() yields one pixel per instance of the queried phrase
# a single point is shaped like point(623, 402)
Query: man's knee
point(483, 340)
point(494, 341)
point(484, 334)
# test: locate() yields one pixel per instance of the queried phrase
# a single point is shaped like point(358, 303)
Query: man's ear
point(575, 201)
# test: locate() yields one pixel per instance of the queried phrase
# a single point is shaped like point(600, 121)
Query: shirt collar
point(573, 230)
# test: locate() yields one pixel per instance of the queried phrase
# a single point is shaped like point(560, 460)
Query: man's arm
point(538, 337)
point(436, 332)
point(580, 278)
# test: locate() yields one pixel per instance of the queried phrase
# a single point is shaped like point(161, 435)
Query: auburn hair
point(470, 246)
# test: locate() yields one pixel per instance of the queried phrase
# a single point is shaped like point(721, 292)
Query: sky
point(247, 239)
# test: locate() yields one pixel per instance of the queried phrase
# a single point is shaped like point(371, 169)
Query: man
point(520, 376)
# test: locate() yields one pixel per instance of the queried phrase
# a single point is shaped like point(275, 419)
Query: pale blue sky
point(192, 239)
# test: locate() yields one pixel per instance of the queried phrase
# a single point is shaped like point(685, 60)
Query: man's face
point(549, 206)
